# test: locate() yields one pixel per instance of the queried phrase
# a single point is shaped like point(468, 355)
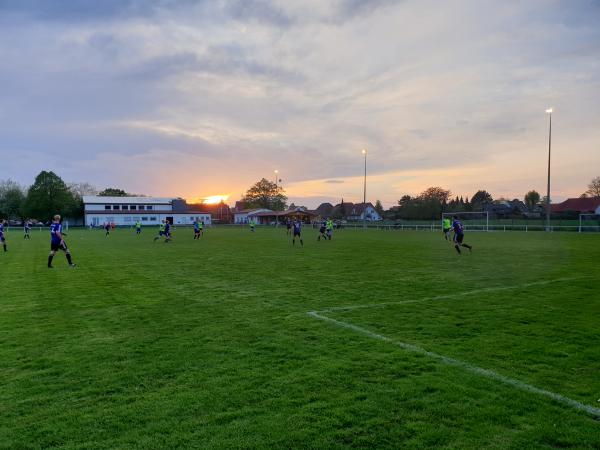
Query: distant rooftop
point(89, 199)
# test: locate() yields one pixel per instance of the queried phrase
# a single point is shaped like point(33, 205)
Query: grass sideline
point(208, 345)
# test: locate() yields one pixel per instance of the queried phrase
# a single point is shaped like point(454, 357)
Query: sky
point(200, 98)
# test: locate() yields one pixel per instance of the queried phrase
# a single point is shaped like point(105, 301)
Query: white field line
point(449, 296)
point(458, 363)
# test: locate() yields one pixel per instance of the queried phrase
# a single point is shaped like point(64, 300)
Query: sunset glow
point(214, 199)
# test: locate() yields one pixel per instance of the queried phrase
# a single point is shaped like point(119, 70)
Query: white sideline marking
point(456, 362)
point(449, 296)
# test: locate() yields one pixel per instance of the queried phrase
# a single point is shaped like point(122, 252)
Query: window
point(125, 207)
point(106, 206)
point(148, 207)
point(141, 207)
point(153, 218)
point(132, 207)
point(144, 219)
point(115, 207)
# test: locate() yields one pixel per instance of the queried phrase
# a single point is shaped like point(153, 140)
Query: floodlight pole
point(548, 203)
point(364, 152)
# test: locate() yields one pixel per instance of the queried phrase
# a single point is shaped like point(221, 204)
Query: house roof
point(589, 204)
point(357, 208)
point(89, 199)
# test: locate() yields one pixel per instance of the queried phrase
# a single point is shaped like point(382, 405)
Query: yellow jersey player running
point(446, 227)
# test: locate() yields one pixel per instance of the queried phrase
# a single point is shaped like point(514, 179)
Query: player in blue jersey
point(196, 229)
point(57, 242)
point(26, 229)
point(167, 231)
point(459, 235)
point(288, 226)
point(322, 231)
point(297, 230)
point(107, 228)
point(2, 237)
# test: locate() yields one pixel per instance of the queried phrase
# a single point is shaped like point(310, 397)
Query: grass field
point(212, 343)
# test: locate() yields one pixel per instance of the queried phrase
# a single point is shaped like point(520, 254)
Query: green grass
point(208, 344)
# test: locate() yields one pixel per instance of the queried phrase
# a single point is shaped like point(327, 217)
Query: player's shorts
point(446, 230)
point(2, 238)
point(161, 233)
point(56, 246)
point(296, 233)
point(322, 230)
point(329, 231)
point(458, 238)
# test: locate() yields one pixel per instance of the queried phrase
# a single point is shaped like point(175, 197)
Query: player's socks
point(68, 255)
point(50, 260)
point(457, 248)
point(4, 247)
point(468, 246)
point(301, 243)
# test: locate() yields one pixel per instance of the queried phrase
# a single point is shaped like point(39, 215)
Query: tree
point(431, 202)
point(436, 194)
point(113, 192)
point(49, 195)
point(480, 200)
point(11, 200)
point(594, 188)
point(532, 198)
point(81, 189)
point(265, 194)
point(379, 207)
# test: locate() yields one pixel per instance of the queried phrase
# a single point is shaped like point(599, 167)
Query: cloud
point(243, 87)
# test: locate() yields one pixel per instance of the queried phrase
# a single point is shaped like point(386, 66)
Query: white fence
point(406, 227)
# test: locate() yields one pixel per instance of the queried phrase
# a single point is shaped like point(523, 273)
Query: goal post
point(471, 220)
point(589, 222)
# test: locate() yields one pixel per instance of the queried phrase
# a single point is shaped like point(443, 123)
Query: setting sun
point(214, 199)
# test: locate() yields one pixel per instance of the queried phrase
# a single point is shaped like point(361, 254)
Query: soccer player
point(138, 227)
point(297, 231)
point(446, 227)
point(57, 242)
point(161, 231)
point(329, 228)
point(196, 229)
point(322, 230)
point(202, 228)
point(459, 235)
point(288, 226)
point(107, 228)
point(2, 238)
point(26, 228)
point(251, 225)
point(167, 231)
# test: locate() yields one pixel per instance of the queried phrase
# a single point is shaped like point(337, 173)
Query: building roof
point(357, 208)
point(89, 199)
point(589, 204)
point(144, 213)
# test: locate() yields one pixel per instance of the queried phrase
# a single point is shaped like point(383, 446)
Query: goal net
point(589, 222)
point(471, 220)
